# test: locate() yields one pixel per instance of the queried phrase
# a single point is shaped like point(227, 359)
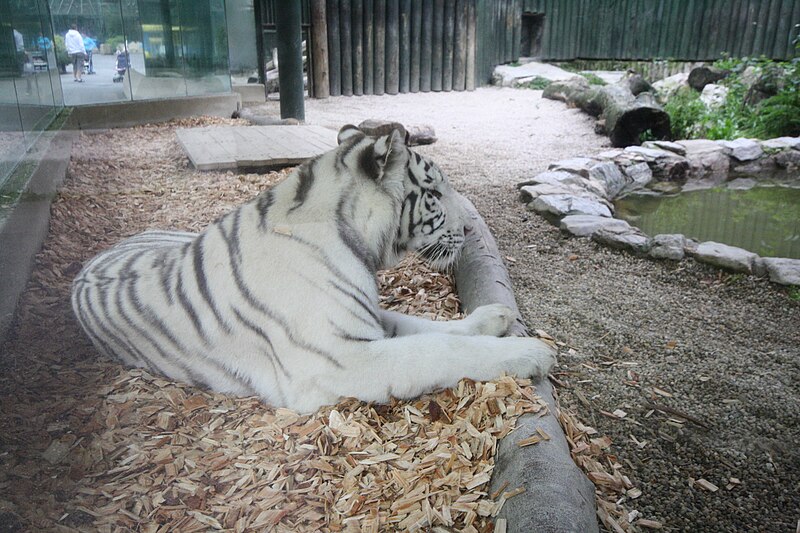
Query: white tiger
point(279, 299)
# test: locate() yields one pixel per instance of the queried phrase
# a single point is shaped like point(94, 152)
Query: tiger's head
point(429, 218)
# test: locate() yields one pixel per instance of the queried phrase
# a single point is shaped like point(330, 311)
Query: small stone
point(586, 225)
point(610, 154)
point(622, 239)
point(781, 143)
point(724, 256)
point(783, 271)
point(713, 96)
point(566, 204)
point(376, 127)
point(560, 178)
point(419, 134)
point(668, 246)
point(788, 159)
point(666, 145)
point(650, 154)
point(610, 176)
point(639, 175)
point(741, 184)
point(743, 149)
point(575, 165)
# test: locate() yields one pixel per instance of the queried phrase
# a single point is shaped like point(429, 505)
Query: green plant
point(114, 42)
point(794, 293)
point(686, 113)
point(62, 57)
point(537, 83)
point(593, 78)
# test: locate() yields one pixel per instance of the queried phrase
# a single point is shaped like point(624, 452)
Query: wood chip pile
point(87, 445)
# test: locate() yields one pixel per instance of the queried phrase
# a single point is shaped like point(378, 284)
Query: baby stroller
point(123, 63)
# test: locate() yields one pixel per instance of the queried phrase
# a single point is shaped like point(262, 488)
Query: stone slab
point(586, 225)
point(783, 270)
point(232, 147)
point(724, 256)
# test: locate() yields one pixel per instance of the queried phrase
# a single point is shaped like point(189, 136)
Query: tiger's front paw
point(493, 319)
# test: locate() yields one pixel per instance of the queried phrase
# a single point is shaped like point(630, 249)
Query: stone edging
point(577, 193)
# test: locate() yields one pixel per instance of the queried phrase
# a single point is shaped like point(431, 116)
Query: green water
point(764, 220)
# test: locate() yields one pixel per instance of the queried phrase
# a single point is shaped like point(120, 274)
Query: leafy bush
point(114, 42)
point(775, 116)
point(62, 57)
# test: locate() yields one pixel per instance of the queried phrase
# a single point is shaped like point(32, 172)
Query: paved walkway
point(231, 147)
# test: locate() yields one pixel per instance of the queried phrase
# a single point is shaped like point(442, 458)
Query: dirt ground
point(704, 364)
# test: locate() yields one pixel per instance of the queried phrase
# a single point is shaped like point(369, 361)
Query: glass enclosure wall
point(30, 91)
point(242, 41)
point(146, 49)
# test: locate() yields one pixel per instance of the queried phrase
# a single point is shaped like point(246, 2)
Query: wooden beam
point(392, 46)
point(405, 45)
point(416, 44)
point(369, 48)
point(334, 48)
point(438, 45)
point(319, 49)
point(380, 47)
point(345, 36)
point(460, 49)
point(358, 46)
point(426, 50)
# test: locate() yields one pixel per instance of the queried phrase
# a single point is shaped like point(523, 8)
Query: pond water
point(764, 220)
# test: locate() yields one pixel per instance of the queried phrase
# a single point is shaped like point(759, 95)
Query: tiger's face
point(431, 218)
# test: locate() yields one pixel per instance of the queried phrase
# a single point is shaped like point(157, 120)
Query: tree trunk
point(559, 497)
point(627, 117)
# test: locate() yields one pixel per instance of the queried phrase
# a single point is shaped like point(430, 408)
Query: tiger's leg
point(494, 320)
point(406, 367)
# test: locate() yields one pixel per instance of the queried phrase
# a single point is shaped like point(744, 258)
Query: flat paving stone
point(231, 147)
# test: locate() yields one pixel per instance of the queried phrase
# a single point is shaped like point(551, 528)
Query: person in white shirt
point(73, 42)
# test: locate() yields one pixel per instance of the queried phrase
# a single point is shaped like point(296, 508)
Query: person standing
point(73, 42)
point(90, 45)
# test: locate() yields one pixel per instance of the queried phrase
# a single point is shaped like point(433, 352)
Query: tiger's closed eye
point(436, 194)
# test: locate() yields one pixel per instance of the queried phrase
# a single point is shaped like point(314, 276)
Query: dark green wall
point(690, 30)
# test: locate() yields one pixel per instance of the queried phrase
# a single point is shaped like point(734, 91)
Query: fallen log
point(558, 496)
point(627, 116)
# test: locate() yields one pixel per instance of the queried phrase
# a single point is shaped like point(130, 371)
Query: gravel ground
point(722, 350)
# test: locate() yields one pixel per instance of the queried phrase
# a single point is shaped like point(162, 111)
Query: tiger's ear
point(349, 131)
point(390, 152)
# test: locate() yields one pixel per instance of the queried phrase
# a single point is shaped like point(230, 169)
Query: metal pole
point(290, 57)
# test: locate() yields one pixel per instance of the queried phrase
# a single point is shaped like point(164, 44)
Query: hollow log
point(626, 116)
point(559, 497)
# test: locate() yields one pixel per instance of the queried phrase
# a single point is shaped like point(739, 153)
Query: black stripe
point(412, 201)
point(367, 164)
point(264, 202)
point(202, 282)
point(360, 302)
point(345, 149)
point(412, 177)
point(272, 355)
point(305, 180)
point(342, 334)
point(353, 240)
point(188, 307)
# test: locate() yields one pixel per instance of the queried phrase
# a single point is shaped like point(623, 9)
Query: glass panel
point(100, 25)
point(11, 136)
point(240, 16)
point(34, 92)
point(205, 42)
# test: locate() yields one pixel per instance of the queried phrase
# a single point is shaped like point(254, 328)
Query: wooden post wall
point(399, 46)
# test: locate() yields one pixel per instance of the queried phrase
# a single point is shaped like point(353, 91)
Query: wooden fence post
point(405, 45)
point(345, 35)
point(438, 36)
point(426, 50)
point(358, 46)
point(319, 50)
point(416, 44)
point(460, 52)
point(472, 24)
point(379, 56)
point(369, 48)
point(447, 49)
point(290, 55)
point(392, 46)
point(334, 48)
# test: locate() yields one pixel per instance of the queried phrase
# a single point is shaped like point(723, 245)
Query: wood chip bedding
point(87, 445)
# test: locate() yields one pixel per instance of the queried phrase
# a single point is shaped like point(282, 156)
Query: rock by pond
point(742, 188)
